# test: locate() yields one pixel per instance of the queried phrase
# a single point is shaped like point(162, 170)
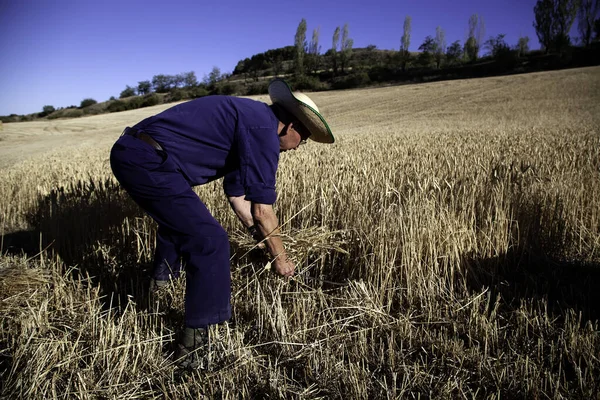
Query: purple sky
point(58, 52)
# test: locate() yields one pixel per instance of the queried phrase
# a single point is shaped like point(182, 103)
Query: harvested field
point(448, 246)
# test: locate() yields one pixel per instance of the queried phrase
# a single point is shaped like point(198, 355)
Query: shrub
point(7, 119)
point(227, 88)
point(127, 92)
point(100, 109)
point(257, 88)
point(382, 74)
point(67, 113)
point(354, 80)
point(150, 100)
point(87, 102)
point(134, 103)
point(177, 95)
point(198, 91)
point(116, 106)
point(47, 110)
point(306, 82)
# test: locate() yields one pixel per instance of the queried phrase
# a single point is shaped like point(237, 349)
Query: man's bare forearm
point(268, 225)
point(242, 208)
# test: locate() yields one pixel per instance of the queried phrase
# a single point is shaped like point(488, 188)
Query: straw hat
point(303, 108)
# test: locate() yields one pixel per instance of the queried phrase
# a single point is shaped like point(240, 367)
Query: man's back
point(211, 136)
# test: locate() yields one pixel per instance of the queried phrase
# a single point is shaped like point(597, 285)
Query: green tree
point(333, 52)
point(313, 52)
point(300, 45)
point(405, 43)
point(46, 110)
point(189, 79)
point(564, 16)
point(553, 21)
point(523, 46)
point(144, 87)
point(346, 48)
point(87, 102)
point(497, 46)
point(453, 53)
point(544, 24)
point(475, 38)
point(161, 83)
point(439, 46)
point(470, 50)
point(427, 48)
point(587, 16)
point(212, 78)
point(178, 80)
point(127, 92)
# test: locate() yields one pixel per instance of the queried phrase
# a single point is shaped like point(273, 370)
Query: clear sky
point(58, 52)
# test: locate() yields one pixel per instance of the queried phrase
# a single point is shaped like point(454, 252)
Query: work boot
point(155, 285)
point(192, 350)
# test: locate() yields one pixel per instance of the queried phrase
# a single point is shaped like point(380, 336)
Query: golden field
point(448, 246)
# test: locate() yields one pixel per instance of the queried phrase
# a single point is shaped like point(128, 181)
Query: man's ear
point(284, 130)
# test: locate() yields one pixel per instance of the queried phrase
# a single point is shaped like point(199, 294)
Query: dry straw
point(447, 246)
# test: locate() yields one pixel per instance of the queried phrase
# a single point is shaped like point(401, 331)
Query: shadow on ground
point(97, 232)
point(526, 275)
point(542, 264)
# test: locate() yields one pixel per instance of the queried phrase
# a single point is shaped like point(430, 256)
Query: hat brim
point(281, 93)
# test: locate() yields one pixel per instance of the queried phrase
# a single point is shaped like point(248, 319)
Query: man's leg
point(204, 248)
point(167, 259)
point(154, 182)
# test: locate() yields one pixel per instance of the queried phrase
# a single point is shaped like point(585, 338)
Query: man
point(160, 159)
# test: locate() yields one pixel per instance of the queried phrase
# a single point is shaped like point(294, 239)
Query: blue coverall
point(201, 140)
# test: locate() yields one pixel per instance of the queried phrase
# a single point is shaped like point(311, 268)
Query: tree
point(161, 83)
point(87, 102)
point(427, 48)
point(597, 29)
point(144, 87)
point(439, 46)
point(475, 38)
point(564, 16)
point(553, 21)
point(480, 32)
point(334, 45)
point(189, 79)
point(497, 46)
point(587, 17)
point(300, 45)
point(523, 46)
point(213, 77)
point(543, 24)
point(178, 80)
point(470, 50)
point(405, 43)
point(127, 92)
point(454, 52)
point(46, 110)
point(313, 52)
point(346, 47)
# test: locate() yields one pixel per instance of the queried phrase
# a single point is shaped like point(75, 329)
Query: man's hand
point(284, 267)
point(242, 209)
